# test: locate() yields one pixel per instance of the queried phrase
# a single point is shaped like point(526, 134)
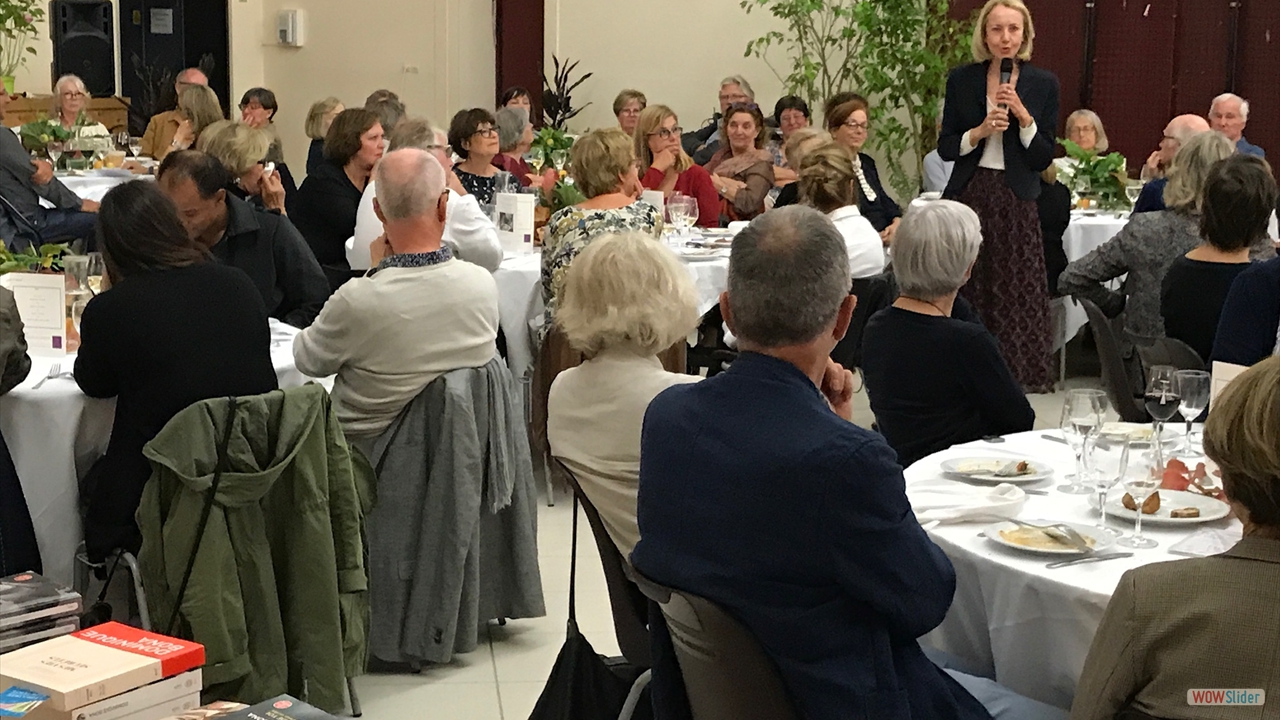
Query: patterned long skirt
point(1008, 287)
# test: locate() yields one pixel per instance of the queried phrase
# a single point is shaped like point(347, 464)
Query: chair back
point(727, 675)
point(629, 605)
point(1172, 352)
point(874, 294)
point(1115, 380)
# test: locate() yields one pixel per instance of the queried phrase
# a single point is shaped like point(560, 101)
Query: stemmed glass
point(1162, 403)
point(676, 215)
point(121, 139)
point(1082, 415)
point(97, 268)
point(1140, 479)
point(135, 146)
point(54, 148)
point(536, 159)
point(1109, 461)
point(1192, 387)
point(1132, 190)
point(559, 158)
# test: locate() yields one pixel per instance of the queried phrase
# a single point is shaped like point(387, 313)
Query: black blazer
point(884, 210)
point(966, 108)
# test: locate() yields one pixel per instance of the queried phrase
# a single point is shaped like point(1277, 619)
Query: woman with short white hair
point(935, 376)
point(1084, 128)
point(515, 137)
point(70, 97)
point(625, 299)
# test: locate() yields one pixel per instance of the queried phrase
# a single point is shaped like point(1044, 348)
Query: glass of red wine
point(1162, 401)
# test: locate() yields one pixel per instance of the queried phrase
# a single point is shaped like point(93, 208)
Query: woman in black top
point(848, 122)
point(1239, 196)
point(473, 135)
point(324, 209)
point(175, 328)
point(934, 374)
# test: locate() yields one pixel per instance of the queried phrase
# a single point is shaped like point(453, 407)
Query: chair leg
point(140, 595)
point(355, 699)
point(633, 697)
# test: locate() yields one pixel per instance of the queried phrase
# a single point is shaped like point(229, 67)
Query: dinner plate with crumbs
point(989, 469)
point(1135, 433)
point(1176, 507)
point(1038, 542)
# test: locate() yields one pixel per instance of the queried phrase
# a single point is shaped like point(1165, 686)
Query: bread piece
point(1187, 512)
point(1150, 507)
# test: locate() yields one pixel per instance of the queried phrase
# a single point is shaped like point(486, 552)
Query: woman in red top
point(665, 166)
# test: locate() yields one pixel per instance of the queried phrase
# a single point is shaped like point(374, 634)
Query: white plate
point(1136, 433)
point(702, 253)
point(987, 466)
point(992, 532)
point(1210, 508)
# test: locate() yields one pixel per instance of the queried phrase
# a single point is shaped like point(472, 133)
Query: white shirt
point(937, 172)
point(993, 152)
point(389, 335)
point(866, 249)
point(468, 232)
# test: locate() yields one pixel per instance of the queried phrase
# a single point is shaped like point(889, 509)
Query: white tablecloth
point(92, 186)
point(56, 433)
point(1028, 625)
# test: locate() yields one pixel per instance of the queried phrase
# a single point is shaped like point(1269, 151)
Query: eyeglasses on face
point(433, 148)
point(72, 94)
point(855, 125)
point(667, 133)
point(486, 131)
point(251, 106)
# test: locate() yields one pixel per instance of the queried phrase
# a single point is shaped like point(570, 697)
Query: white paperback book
point(42, 305)
point(158, 700)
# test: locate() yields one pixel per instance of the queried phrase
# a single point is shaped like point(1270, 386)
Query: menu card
point(42, 305)
point(1222, 375)
point(514, 218)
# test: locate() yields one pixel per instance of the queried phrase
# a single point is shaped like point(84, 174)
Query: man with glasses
point(702, 143)
point(162, 128)
point(1178, 131)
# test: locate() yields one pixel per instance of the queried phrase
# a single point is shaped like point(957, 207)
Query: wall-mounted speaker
point(83, 34)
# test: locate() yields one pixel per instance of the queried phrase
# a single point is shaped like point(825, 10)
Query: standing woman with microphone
point(998, 125)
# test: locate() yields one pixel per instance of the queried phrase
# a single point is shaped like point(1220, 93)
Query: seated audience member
point(162, 128)
point(516, 96)
point(23, 183)
point(937, 172)
point(704, 142)
point(801, 142)
point(1084, 128)
point(1208, 622)
point(70, 96)
point(198, 108)
point(665, 166)
point(473, 135)
point(1149, 243)
point(379, 95)
point(515, 137)
point(790, 113)
point(258, 108)
point(19, 551)
point(325, 207)
point(319, 118)
point(262, 244)
point(1239, 197)
point(934, 374)
point(1155, 172)
point(14, 363)
point(1054, 205)
point(625, 300)
point(420, 314)
point(603, 164)
point(828, 183)
point(389, 109)
point(1228, 114)
point(759, 494)
point(469, 233)
point(176, 328)
point(627, 108)
point(741, 170)
point(1249, 326)
point(241, 149)
point(849, 123)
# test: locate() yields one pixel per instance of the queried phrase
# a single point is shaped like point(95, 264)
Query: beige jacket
point(1205, 623)
point(157, 141)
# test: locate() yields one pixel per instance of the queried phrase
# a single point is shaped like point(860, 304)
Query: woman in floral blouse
point(604, 168)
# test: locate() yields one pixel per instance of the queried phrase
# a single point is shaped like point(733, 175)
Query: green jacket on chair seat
point(278, 594)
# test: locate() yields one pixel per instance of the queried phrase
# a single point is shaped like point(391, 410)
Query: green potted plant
point(46, 258)
point(1101, 178)
point(557, 105)
point(17, 32)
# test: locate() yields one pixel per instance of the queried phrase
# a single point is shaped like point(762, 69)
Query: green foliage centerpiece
point(1101, 178)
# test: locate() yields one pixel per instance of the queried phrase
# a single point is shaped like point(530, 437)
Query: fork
point(54, 372)
point(1058, 531)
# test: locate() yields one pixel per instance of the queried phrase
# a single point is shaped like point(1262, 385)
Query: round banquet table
point(92, 185)
point(1027, 626)
point(56, 433)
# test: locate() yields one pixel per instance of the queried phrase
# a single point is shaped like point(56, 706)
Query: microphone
point(1006, 72)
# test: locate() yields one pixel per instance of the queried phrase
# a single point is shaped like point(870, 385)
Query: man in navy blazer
point(758, 493)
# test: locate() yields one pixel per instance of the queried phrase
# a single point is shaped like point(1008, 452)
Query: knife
point(1099, 557)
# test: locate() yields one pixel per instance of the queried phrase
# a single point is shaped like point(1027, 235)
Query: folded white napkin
point(942, 501)
point(1207, 541)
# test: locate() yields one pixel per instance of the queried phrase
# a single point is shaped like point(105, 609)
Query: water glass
point(1108, 461)
point(1082, 415)
point(1141, 478)
point(1192, 387)
point(135, 146)
point(1161, 402)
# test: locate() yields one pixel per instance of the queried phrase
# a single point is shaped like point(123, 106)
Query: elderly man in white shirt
point(420, 314)
point(468, 232)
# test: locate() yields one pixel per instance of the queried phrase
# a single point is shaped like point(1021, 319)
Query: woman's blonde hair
point(626, 291)
point(57, 91)
point(599, 159)
point(315, 117)
point(651, 119)
point(627, 96)
point(200, 105)
point(827, 180)
point(981, 53)
point(793, 151)
point(1242, 435)
point(1102, 143)
point(1190, 169)
point(236, 145)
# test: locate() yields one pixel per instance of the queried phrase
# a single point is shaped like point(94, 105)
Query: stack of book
point(33, 608)
point(281, 707)
point(108, 672)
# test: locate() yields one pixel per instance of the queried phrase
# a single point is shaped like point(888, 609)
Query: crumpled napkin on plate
point(944, 501)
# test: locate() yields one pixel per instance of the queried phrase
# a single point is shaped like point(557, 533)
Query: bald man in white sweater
point(419, 315)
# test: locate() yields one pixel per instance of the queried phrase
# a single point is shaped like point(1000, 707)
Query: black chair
point(1172, 352)
point(874, 294)
point(1115, 379)
point(727, 675)
point(710, 353)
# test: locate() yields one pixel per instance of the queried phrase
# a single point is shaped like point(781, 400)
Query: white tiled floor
point(504, 677)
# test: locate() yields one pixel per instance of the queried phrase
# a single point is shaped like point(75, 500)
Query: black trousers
point(18, 550)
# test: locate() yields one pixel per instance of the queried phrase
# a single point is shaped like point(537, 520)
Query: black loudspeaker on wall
point(84, 43)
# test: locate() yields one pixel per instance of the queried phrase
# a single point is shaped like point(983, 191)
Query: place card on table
point(514, 218)
point(1223, 374)
point(654, 198)
point(42, 305)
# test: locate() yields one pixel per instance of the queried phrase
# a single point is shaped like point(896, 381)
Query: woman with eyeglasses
point(473, 135)
point(243, 150)
point(741, 170)
point(790, 113)
point(627, 108)
point(849, 123)
point(258, 109)
point(665, 166)
point(70, 96)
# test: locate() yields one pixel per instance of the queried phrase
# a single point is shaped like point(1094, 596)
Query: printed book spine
point(164, 694)
point(15, 621)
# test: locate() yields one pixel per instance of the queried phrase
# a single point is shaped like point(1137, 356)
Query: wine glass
point(1141, 478)
point(135, 146)
point(536, 159)
point(690, 212)
point(1132, 190)
point(121, 139)
point(1109, 461)
point(54, 148)
point(97, 268)
point(1162, 402)
point(1082, 414)
point(1192, 387)
point(676, 210)
point(559, 158)
point(77, 311)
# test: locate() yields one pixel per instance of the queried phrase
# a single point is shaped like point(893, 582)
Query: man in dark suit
point(759, 494)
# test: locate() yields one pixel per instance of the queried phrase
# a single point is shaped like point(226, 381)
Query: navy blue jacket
point(1249, 327)
point(884, 210)
point(1152, 197)
point(755, 495)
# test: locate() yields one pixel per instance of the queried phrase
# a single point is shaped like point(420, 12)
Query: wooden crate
point(111, 111)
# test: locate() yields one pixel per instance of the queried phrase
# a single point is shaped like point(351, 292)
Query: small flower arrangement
point(17, 31)
point(37, 134)
point(1101, 177)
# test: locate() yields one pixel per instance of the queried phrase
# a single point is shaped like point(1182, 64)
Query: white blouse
point(866, 249)
point(993, 152)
